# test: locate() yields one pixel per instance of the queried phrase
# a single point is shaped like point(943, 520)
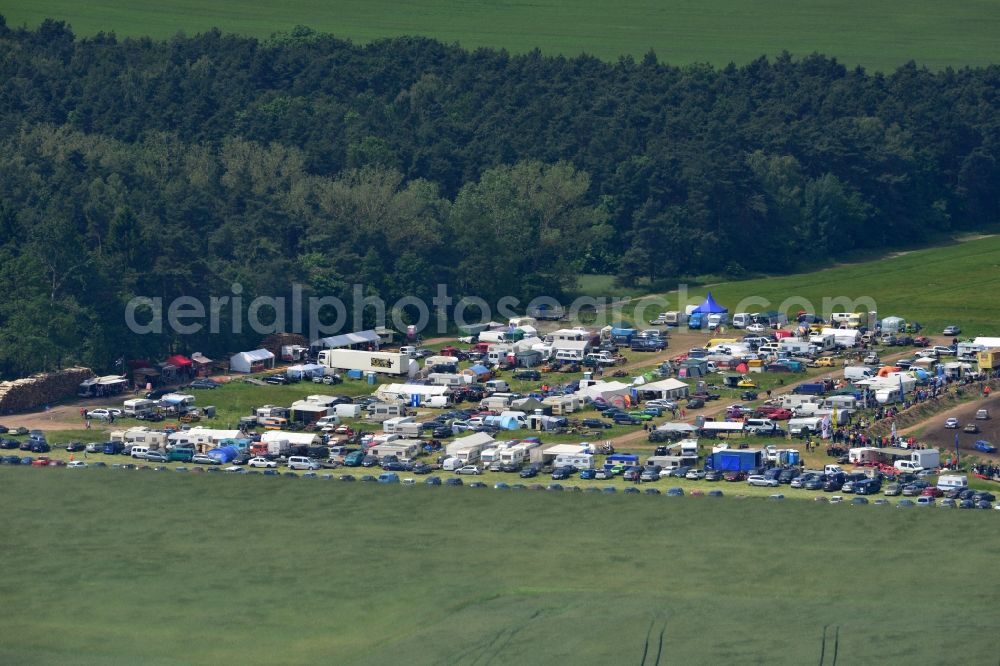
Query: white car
point(101, 414)
point(951, 423)
point(695, 474)
point(468, 469)
point(261, 462)
point(76, 464)
point(761, 480)
point(756, 328)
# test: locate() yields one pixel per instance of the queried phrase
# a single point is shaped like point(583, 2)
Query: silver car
point(761, 480)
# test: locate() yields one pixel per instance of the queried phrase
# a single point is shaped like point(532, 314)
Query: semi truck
point(389, 363)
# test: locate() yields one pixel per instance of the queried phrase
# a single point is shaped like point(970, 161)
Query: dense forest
point(181, 167)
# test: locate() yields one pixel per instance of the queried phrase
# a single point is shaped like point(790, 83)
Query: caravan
point(805, 426)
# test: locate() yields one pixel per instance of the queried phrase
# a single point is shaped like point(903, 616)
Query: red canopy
point(179, 360)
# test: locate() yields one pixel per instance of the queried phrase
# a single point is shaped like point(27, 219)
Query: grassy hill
point(876, 35)
point(161, 568)
point(937, 286)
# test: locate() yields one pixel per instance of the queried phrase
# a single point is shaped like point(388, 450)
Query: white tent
point(251, 361)
point(604, 390)
point(666, 388)
point(293, 438)
point(892, 324)
point(348, 340)
point(404, 391)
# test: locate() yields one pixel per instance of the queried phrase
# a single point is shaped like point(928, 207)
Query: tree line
point(134, 167)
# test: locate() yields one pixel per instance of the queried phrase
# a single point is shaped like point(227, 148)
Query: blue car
point(984, 446)
point(588, 474)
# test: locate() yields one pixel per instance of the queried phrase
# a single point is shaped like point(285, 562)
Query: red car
point(932, 491)
point(780, 414)
point(734, 476)
point(921, 341)
point(40, 461)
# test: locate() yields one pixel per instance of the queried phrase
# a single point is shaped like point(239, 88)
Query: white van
point(302, 462)
point(741, 319)
point(451, 464)
point(138, 451)
point(497, 386)
point(759, 426)
point(569, 354)
point(908, 466)
point(327, 421)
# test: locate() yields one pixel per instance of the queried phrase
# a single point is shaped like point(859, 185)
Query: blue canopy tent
point(709, 306)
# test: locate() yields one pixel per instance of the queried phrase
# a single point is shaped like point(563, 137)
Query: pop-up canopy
point(709, 306)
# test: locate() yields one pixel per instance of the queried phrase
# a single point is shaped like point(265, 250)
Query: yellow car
point(824, 362)
point(746, 383)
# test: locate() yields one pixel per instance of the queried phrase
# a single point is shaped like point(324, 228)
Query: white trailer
point(389, 363)
point(805, 426)
point(139, 407)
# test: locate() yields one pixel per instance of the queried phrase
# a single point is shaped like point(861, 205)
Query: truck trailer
point(389, 363)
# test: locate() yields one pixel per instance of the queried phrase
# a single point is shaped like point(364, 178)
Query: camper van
point(823, 343)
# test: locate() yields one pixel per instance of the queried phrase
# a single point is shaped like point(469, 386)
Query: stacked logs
point(41, 389)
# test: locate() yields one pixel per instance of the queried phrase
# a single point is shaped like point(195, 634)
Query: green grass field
point(111, 567)
point(876, 35)
point(937, 286)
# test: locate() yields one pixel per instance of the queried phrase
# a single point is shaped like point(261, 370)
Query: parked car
point(260, 461)
point(203, 383)
point(156, 456)
point(204, 459)
point(595, 423)
point(528, 375)
point(951, 330)
point(761, 480)
point(468, 469)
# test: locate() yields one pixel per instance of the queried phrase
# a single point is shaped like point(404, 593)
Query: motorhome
point(823, 343)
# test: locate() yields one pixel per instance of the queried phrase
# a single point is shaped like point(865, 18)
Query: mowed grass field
point(105, 566)
point(879, 35)
point(951, 284)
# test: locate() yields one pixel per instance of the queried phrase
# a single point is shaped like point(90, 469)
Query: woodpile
point(41, 389)
point(274, 342)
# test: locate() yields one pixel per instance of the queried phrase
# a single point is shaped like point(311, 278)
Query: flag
point(894, 430)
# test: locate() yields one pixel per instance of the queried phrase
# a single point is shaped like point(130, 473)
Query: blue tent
point(479, 370)
point(709, 306)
